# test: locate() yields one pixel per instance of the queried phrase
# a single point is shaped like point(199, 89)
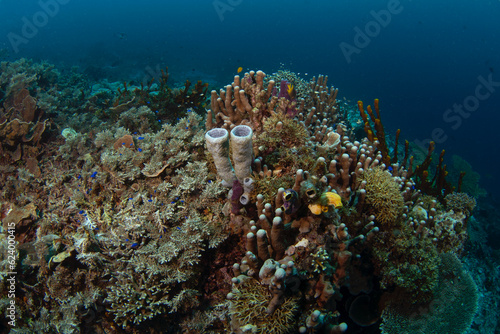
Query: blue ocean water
point(433, 65)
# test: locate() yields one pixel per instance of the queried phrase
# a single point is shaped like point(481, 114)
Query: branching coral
point(460, 202)
point(169, 104)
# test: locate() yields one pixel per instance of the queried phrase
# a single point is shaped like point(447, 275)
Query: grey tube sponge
point(241, 145)
point(217, 145)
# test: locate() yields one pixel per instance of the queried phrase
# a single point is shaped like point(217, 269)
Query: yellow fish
point(240, 69)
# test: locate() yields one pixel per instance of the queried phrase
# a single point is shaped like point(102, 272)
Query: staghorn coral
point(167, 244)
point(204, 321)
point(139, 119)
point(167, 260)
point(322, 102)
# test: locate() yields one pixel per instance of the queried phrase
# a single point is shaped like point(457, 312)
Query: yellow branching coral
point(383, 195)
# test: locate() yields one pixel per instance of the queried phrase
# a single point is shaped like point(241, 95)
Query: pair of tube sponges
point(242, 151)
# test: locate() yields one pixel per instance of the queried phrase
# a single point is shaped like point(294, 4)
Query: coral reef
point(169, 104)
point(133, 210)
point(451, 311)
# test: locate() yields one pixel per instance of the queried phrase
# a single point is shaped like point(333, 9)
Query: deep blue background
point(427, 59)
